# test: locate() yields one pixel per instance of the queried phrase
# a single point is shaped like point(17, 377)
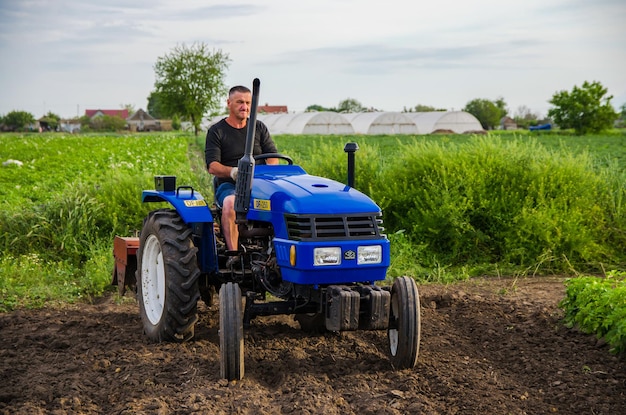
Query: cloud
point(220, 11)
point(385, 58)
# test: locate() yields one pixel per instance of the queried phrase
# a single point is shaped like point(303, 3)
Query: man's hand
point(233, 173)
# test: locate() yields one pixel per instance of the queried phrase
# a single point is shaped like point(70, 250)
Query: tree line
point(189, 85)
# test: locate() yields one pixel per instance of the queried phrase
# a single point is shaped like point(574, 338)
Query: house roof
point(111, 113)
point(141, 115)
point(272, 109)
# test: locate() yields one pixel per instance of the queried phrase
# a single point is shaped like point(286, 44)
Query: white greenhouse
point(307, 123)
point(369, 123)
point(373, 123)
point(457, 121)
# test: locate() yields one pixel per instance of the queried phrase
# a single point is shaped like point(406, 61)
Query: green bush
point(66, 204)
point(598, 306)
point(509, 203)
point(453, 207)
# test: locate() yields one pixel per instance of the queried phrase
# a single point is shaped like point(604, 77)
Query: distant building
point(70, 125)
point(111, 113)
point(142, 121)
point(272, 109)
point(508, 123)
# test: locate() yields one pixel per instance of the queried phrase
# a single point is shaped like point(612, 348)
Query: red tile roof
point(272, 109)
point(112, 113)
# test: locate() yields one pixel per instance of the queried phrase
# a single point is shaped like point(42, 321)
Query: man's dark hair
point(239, 88)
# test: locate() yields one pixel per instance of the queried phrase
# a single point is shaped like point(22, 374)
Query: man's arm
point(217, 169)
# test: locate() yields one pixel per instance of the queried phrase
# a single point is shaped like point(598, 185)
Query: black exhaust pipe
point(243, 186)
point(351, 148)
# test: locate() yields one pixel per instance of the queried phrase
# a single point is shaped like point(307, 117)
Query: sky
point(67, 56)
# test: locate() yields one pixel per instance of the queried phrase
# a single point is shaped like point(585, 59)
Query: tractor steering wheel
point(274, 156)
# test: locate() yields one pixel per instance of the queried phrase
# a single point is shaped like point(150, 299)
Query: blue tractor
point(309, 247)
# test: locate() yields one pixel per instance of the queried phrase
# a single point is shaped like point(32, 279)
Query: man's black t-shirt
point(226, 144)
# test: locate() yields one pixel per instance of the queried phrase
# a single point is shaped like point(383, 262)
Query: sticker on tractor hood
point(262, 204)
point(195, 203)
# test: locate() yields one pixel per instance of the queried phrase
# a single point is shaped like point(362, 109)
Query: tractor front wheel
point(231, 332)
point(404, 325)
point(167, 278)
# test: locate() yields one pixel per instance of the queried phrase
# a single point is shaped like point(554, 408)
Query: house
point(508, 123)
point(272, 109)
point(70, 125)
point(123, 113)
point(142, 121)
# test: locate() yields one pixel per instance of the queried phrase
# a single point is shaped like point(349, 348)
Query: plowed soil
point(492, 346)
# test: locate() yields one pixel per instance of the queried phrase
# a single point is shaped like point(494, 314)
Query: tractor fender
point(189, 204)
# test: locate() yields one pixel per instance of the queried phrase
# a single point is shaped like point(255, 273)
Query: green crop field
point(454, 206)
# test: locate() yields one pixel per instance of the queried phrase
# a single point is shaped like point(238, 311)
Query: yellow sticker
point(195, 203)
point(262, 204)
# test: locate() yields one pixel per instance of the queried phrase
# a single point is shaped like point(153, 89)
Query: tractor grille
point(326, 227)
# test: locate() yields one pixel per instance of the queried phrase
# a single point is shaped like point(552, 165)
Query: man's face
point(239, 104)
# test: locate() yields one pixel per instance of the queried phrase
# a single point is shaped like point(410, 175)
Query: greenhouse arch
point(457, 121)
point(368, 123)
point(307, 123)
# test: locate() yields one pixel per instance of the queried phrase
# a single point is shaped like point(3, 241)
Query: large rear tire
point(167, 278)
point(405, 326)
point(231, 332)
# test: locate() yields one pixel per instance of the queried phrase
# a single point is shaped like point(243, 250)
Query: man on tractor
point(225, 145)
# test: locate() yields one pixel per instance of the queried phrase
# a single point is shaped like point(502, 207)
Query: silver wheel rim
point(393, 341)
point(393, 333)
point(153, 280)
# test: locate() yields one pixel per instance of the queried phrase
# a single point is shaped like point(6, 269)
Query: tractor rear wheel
point(404, 327)
point(231, 332)
point(167, 278)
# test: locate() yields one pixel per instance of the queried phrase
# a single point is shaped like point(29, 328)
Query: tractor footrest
point(375, 306)
point(342, 308)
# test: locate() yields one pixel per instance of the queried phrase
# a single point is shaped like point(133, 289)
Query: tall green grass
point(453, 207)
point(462, 206)
point(63, 206)
point(492, 202)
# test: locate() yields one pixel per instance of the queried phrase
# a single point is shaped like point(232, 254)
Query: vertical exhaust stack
point(246, 164)
point(351, 148)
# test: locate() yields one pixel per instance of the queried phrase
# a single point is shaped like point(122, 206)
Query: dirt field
point(488, 347)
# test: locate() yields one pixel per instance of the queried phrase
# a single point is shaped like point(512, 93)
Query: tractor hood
point(286, 189)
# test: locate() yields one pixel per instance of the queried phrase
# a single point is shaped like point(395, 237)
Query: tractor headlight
point(327, 256)
point(369, 254)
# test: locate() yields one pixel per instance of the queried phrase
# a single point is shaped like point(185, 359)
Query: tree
point(176, 122)
point(50, 121)
point(190, 81)
point(585, 109)
point(129, 107)
point(423, 108)
point(318, 108)
point(524, 117)
point(501, 106)
point(350, 105)
point(102, 123)
point(621, 122)
point(155, 106)
point(18, 120)
point(488, 113)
